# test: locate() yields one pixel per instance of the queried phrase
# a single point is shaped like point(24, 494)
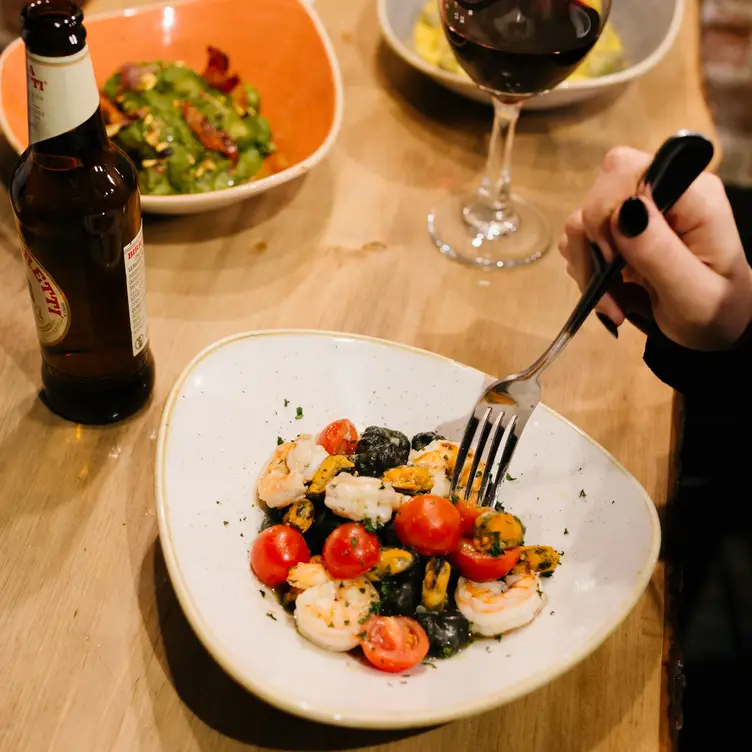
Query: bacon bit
point(210, 137)
point(217, 72)
point(114, 119)
point(112, 115)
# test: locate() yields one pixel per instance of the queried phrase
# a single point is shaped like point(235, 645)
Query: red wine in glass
point(518, 48)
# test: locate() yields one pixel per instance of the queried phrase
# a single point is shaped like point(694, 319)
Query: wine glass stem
point(491, 212)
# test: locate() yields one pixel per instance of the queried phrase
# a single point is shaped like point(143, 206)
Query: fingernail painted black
point(633, 217)
point(612, 329)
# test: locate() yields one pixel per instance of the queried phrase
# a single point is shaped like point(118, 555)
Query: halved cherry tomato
point(350, 551)
point(339, 437)
point(429, 524)
point(394, 643)
point(480, 567)
point(469, 512)
point(275, 551)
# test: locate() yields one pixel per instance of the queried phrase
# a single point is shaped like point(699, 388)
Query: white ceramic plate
point(645, 45)
point(221, 423)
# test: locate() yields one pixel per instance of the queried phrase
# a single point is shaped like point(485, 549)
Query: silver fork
point(504, 408)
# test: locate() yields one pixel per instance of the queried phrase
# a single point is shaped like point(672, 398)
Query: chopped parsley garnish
point(375, 607)
point(362, 590)
point(547, 574)
point(347, 621)
point(498, 638)
point(566, 531)
point(280, 440)
point(371, 526)
point(454, 498)
point(263, 593)
point(354, 542)
point(287, 402)
point(509, 477)
point(361, 635)
point(225, 523)
point(428, 663)
point(298, 413)
point(583, 495)
point(271, 616)
point(496, 549)
point(447, 652)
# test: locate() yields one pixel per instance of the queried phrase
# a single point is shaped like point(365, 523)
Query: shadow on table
point(212, 695)
point(225, 222)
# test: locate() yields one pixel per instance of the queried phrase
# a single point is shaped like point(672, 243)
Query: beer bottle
point(76, 200)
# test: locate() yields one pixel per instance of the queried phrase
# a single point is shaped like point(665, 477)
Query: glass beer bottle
point(76, 200)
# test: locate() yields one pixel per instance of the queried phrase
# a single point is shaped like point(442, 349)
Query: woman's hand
point(688, 269)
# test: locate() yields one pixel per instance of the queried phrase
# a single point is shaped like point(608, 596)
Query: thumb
point(649, 245)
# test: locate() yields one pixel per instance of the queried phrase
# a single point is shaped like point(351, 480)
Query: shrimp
point(305, 457)
point(358, 497)
point(304, 576)
point(292, 465)
point(277, 486)
point(332, 613)
point(440, 457)
point(497, 607)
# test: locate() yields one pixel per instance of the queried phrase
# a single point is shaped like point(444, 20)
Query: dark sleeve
point(724, 377)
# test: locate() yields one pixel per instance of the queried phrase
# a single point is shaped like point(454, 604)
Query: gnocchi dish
point(367, 550)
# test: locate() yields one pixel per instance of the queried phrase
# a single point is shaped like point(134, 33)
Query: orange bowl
point(280, 46)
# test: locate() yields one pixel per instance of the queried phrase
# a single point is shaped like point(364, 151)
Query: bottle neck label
point(62, 93)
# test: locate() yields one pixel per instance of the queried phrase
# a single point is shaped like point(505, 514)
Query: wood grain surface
point(95, 653)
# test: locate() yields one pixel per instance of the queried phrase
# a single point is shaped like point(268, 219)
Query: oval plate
point(221, 423)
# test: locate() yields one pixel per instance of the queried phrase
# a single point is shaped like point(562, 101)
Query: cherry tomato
point(429, 524)
point(480, 567)
point(340, 437)
point(275, 551)
point(394, 643)
point(469, 511)
point(350, 551)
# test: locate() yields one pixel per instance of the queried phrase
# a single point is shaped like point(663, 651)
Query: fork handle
point(676, 165)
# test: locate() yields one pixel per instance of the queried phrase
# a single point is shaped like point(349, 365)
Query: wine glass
point(513, 49)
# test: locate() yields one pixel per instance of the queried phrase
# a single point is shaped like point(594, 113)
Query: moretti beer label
point(51, 310)
point(61, 93)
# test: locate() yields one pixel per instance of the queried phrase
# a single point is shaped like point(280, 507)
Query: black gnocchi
point(448, 632)
point(422, 440)
point(380, 449)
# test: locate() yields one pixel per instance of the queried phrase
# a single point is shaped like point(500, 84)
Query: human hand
point(687, 269)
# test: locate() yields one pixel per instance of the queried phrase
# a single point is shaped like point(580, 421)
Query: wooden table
point(95, 653)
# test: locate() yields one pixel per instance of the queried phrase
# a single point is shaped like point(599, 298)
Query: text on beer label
point(61, 92)
point(51, 310)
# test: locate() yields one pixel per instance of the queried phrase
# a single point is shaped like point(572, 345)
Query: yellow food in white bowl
point(431, 45)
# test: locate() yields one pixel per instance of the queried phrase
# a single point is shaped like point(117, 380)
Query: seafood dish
point(368, 551)
point(188, 132)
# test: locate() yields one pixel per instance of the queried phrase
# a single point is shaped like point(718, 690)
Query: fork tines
point(496, 458)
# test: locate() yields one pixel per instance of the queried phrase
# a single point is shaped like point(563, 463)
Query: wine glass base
point(517, 236)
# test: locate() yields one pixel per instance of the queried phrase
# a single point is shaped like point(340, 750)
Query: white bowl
point(219, 426)
point(647, 28)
